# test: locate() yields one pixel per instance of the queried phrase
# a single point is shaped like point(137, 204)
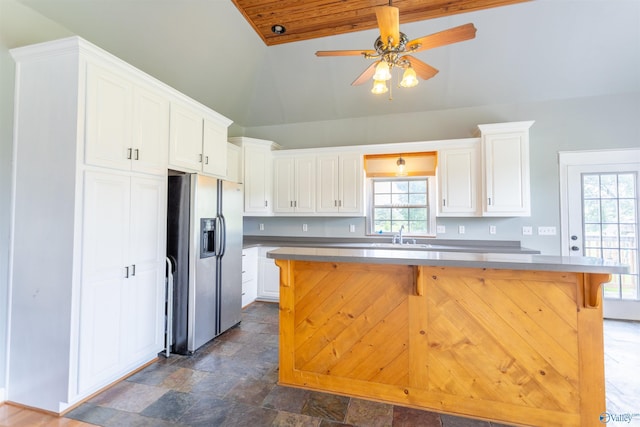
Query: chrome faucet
point(400, 235)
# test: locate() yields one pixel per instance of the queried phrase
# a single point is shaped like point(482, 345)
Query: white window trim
point(431, 200)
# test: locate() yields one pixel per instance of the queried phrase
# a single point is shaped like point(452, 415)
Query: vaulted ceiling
point(525, 52)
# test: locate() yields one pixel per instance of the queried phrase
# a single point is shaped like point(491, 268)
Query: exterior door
point(600, 219)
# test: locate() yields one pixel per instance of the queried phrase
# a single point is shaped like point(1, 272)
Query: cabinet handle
point(489, 201)
point(206, 160)
point(295, 203)
point(199, 158)
point(340, 203)
point(266, 203)
point(126, 272)
point(290, 203)
point(137, 154)
point(335, 203)
point(133, 270)
point(444, 202)
point(128, 153)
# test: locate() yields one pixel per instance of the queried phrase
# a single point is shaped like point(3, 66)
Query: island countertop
point(511, 261)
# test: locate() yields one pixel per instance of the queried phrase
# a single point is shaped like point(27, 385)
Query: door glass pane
point(610, 218)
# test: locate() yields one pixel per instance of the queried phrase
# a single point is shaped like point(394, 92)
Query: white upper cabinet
point(109, 122)
point(506, 176)
point(339, 184)
point(294, 180)
point(214, 149)
point(197, 143)
point(459, 181)
point(150, 132)
point(127, 125)
point(185, 143)
point(234, 163)
point(257, 174)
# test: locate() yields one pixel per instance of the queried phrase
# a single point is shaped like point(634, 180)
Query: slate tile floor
point(232, 381)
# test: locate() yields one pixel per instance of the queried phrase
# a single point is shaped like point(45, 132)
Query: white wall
point(563, 125)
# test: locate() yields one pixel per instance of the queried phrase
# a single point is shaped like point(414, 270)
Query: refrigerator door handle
point(223, 230)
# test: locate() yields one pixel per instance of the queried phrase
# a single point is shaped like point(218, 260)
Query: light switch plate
point(441, 229)
point(546, 231)
point(492, 229)
point(461, 229)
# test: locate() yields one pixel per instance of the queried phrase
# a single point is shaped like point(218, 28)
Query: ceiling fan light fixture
point(409, 78)
point(383, 72)
point(379, 87)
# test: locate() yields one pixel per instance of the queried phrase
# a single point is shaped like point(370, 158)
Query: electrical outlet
point(261, 227)
point(461, 229)
point(546, 231)
point(492, 229)
point(527, 230)
point(352, 228)
point(305, 227)
point(441, 229)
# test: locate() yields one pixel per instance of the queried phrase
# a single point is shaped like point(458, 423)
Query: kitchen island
point(515, 338)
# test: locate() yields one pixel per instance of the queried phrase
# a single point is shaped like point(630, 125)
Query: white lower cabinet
point(249, 275)
point(121, 322)
point(268, 276)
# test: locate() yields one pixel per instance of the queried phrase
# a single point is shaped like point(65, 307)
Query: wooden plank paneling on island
point(507, 345)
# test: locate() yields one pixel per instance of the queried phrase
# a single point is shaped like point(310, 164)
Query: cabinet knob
point(574, 237)
point(575, 248)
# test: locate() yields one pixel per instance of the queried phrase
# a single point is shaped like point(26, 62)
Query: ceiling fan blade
point(366, 75)
point(443, 38)
point(423, 70)
point(389, 22)
point(345, 52)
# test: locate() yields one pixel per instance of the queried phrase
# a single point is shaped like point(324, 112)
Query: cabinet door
point(305, 184)
point(284, 184)
point(185, 143)
point(234, 159)
point(105, 256)
point(151, 132)
point(458, 175)
point(506, 174)
point(327, 184)
point(109, 106)
point(214, 148)
point(257, 180)
point(249, 275)
point(268, 276)
point(350, 184)
point(144, 291)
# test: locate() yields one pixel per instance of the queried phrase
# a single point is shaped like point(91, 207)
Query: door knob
point(575, 248)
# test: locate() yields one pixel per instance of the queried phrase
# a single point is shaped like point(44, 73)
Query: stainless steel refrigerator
point(204, 242)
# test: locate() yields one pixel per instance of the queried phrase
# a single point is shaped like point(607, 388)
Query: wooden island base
point(520, 347)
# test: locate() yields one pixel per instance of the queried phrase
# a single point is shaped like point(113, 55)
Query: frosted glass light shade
point(379, 86)
point(409, 78)
point(382, 71)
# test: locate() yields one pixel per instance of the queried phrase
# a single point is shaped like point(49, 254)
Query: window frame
point(431, 205)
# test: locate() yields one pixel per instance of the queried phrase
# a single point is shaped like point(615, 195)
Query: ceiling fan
point(393, 49)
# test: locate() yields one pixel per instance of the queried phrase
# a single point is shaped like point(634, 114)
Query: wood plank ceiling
point(309, 19)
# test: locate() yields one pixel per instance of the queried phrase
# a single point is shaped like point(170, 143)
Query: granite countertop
point(440, 245)
point(505, 261)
